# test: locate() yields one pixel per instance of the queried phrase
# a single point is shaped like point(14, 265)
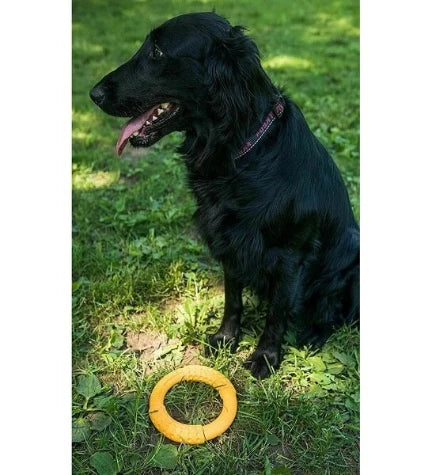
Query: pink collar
point(275, 113)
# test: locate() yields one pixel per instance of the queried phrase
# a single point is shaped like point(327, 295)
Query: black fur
point(279, 218)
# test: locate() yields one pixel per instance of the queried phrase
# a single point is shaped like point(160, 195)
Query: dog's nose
point(97, 94)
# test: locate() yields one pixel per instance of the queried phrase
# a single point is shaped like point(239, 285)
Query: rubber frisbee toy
point(193, 434)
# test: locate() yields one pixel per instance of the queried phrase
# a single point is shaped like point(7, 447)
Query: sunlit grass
point(341, 24)
point(284, 61)
point(85, 179)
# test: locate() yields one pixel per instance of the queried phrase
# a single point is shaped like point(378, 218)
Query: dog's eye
point(157, 52)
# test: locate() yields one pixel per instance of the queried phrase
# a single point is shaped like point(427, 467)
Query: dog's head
point(195, 73)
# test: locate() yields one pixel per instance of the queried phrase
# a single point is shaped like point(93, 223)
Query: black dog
point(271, 203)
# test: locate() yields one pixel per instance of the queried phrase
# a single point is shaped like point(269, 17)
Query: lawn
point(145, 290)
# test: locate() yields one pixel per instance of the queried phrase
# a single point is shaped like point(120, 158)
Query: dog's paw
point(263, 362)
point(222, 340)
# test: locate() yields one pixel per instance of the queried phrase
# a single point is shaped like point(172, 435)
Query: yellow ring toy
point(193, 434)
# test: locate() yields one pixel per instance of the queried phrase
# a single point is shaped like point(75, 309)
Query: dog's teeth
point(160, 111)
point(165, 105)
point(148, 122)
point(135, 134)
point(154, 117)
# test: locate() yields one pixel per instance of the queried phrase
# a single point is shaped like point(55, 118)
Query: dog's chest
point(221, 216)
point(216, 207)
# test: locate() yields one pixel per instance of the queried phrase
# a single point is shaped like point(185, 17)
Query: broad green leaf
point(351, 404)
point(280, 471)
point(99, 421)
point(104, 463)
point(80, 430)
point(76, 285)
point(120, 205)
point(88, 385)
point(117, 340)
point(344, 358)
point(327, 357)
point(321, 378)
point(317, 363)
point(165, 456)
point(108, 403)
point(315, 391)
point(272, 439)
point(335, 368)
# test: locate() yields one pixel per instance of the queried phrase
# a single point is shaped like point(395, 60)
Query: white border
point(396, 236)
point(35, 249)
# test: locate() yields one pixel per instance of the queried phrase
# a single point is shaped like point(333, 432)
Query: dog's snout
point(98, 95)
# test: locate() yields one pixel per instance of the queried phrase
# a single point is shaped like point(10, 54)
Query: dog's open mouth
point(142, 130)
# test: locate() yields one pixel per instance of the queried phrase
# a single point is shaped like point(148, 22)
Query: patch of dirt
point(145, 342)
point(171, 305)
point(191, 355)
point(156, 351)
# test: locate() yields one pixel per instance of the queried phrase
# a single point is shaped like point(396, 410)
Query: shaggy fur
point(279, 218)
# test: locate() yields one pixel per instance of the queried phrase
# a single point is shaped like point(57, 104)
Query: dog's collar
point(275, 113)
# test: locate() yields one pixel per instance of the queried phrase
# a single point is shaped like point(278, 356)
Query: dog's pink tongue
point(129, 128)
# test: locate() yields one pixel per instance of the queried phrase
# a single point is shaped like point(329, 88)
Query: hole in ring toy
point(187, 433)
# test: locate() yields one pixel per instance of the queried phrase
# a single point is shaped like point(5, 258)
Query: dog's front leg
point(229, 330)
point(284, 304)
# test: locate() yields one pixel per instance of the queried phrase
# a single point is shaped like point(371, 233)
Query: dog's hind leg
point(336, 305)
point(228, 333)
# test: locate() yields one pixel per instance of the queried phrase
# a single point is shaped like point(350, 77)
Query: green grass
point(139, 267)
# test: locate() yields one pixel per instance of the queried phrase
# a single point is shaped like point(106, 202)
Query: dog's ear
point(233, 72)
